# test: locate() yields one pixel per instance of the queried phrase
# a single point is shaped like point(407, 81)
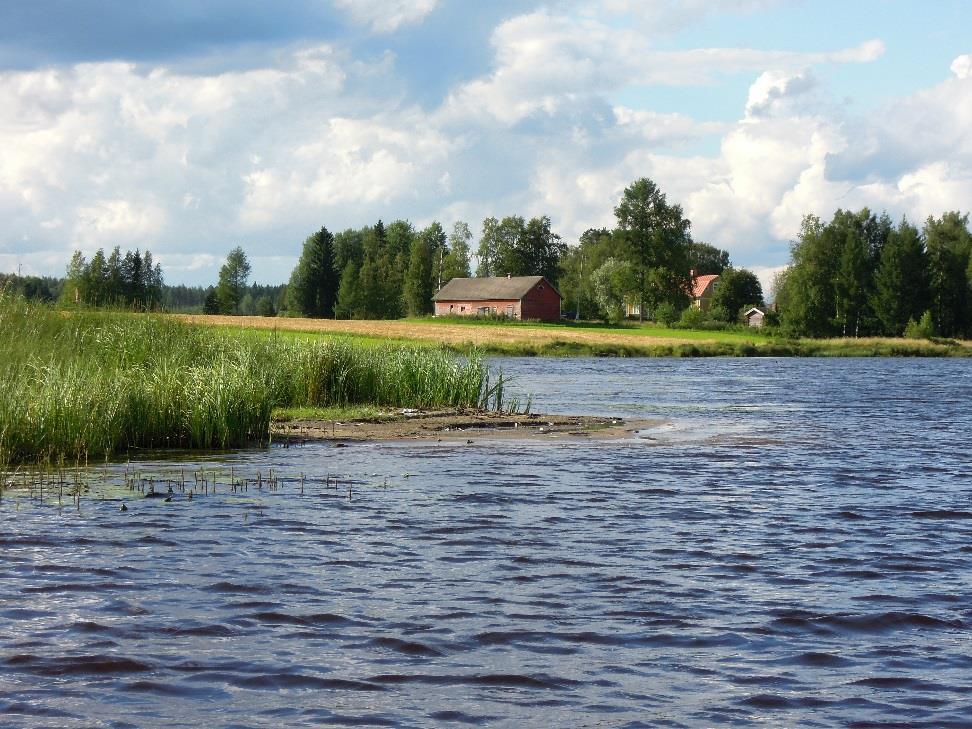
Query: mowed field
point(482, 335)
point(567, 338)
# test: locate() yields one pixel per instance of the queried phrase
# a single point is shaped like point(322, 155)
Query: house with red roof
point(703, 288)
point(700, 291)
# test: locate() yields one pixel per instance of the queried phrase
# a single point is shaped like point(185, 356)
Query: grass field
point(569, 338)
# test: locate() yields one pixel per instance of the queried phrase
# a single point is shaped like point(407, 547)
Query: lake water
point(793, 547)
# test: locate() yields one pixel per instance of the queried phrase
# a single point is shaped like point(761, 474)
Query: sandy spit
point(467, 426)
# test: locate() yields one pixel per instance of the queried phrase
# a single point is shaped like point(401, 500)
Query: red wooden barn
point(516, 297)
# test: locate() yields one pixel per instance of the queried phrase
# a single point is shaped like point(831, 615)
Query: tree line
point(132, 281)
point(860, 274)
point(390, 271)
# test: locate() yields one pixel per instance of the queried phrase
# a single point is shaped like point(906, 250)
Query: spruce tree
point(313, 286)
point(901, 280)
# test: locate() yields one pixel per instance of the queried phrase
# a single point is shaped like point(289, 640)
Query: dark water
point(793, 548)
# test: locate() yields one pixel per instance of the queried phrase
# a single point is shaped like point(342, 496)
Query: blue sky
point(189, 127)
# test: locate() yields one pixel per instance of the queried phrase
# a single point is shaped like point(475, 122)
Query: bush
point(924, 329)
point(666, 314)
point(693, 318)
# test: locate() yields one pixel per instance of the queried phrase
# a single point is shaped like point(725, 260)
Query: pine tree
point(348, 299)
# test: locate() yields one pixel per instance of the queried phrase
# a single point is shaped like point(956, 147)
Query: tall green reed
point(90, 384)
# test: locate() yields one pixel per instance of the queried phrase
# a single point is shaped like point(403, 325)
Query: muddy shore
point(467, 425)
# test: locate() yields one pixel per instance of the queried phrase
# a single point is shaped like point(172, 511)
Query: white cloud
point(105, 154)
point(547, 62)
point(962, 66)
point(385, 16)
point(189, 165)
point(773, 89)
point(117, 220)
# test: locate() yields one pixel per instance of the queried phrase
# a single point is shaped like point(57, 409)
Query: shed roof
point(700, 283)
point(489, 288)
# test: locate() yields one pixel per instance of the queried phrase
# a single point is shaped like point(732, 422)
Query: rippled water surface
point(792, 547)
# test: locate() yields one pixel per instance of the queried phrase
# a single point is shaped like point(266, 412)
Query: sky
point(189, 127)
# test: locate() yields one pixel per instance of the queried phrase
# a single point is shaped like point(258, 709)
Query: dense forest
point(857, 275)
point(861, 275)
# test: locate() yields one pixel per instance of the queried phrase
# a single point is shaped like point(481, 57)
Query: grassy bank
point(586, 339)
point(88, 385)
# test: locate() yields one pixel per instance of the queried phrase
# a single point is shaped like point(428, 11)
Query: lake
point(793, 546)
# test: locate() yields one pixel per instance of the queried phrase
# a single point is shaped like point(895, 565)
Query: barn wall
point(472, 307)
point(541, 302)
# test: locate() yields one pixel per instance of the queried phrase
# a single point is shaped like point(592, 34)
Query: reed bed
point(92, 384)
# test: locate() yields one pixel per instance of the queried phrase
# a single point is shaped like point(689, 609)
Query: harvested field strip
point(572, 340)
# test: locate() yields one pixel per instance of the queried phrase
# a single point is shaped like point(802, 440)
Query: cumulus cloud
point(962, 66)
point(192, 164)
point(546, 62)
point(104, 154)
point(385, 16)
point(773, 89)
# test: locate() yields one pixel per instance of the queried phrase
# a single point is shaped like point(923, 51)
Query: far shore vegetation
point(857, 284)
point(89, 384)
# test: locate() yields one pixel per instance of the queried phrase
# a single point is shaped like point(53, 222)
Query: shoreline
point(460, 425)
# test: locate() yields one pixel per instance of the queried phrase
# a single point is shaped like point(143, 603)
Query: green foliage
point(418, 279)
point(706, 259)
point(901, 280)
point(265, 307)
point(693, 318)
point(233, 276)
point(949, 252)
point(456, 262)
point(666, 313)
point(211, 305)
point(92, 384)
point(313, 286)
point(132, 282)
point(658, 234)
point(923, 329)
point(860, 275)
point(614, 283)
point(349, 297)
point(516, 247)
point(735, 289)
point(40, 288)
point(435, 240)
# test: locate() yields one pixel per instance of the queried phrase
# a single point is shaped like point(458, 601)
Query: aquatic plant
point(89, 384)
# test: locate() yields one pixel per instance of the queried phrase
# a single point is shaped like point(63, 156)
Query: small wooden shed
point(515, 297)
point(754, 317)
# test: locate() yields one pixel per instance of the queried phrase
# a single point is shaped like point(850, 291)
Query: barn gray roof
point(484, 289)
